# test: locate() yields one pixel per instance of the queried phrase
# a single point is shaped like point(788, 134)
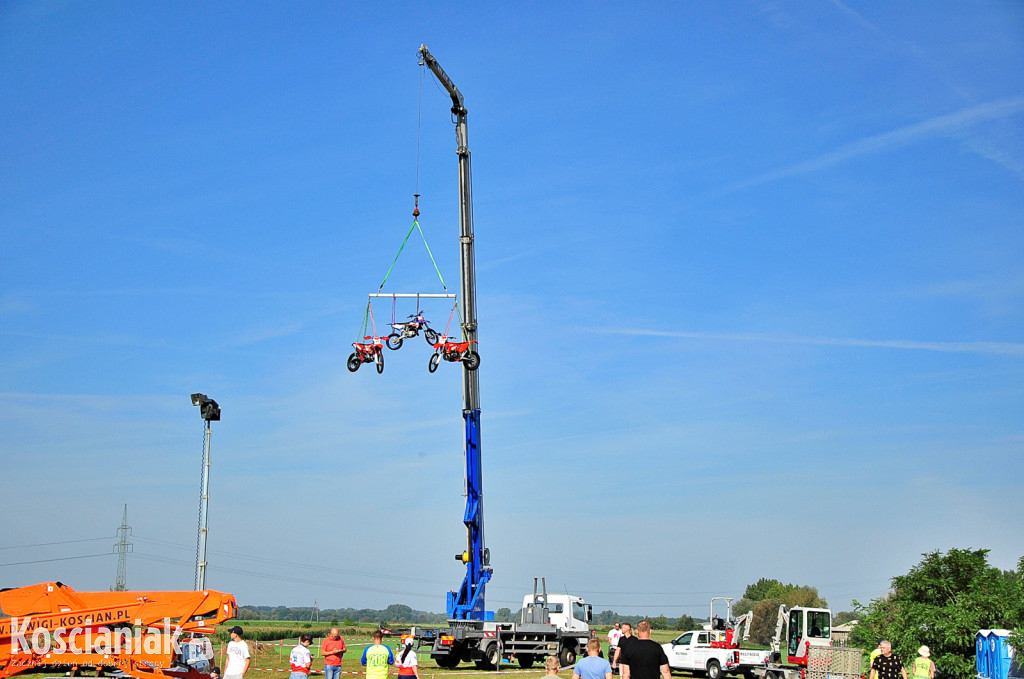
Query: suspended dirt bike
point(454, 352)
point(411, 328)
point(367, 352)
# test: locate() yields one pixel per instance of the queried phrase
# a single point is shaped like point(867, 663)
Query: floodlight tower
point(210, 412)
point(123, 546)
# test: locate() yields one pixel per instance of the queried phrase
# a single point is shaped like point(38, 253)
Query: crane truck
point(550, 624)
point(136, 634)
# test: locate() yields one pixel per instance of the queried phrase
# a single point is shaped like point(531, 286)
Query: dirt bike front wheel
point(435, 360)
point(471, 360)
point(353, 363)
point(394, 341)
point(378, 358)
point(430, 336)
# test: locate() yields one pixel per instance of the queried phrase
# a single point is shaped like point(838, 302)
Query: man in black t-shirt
point(643, 658)
point(888, 665)
point(625, 640)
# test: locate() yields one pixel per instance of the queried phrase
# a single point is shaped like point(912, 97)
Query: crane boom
point(468, 602)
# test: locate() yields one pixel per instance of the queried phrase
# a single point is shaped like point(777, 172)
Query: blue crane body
point(467, 603)
point(472, 633)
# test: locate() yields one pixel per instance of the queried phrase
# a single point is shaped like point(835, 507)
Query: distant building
point(841, 633)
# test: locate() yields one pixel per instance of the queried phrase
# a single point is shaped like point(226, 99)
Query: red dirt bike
point(367, 352)
point(411, 328)
point(453, 352)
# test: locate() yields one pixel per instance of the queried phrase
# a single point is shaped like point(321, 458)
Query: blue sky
point(751, 298)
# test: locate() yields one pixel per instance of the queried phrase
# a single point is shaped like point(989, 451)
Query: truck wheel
point(446, 661)
point(567, 656)
point(714, 669)
point(491, 656)
point(526, 661)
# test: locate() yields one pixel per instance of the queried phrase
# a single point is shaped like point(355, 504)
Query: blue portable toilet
point(993, 654)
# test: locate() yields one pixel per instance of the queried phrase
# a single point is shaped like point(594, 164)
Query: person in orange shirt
point(332, 649)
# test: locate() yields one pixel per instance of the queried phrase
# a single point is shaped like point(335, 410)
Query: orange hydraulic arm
point(52, 625)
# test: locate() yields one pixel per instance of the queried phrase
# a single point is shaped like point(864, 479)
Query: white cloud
point(944, 124)
point(1004, 348)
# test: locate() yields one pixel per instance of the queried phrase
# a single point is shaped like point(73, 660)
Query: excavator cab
point(807, 627)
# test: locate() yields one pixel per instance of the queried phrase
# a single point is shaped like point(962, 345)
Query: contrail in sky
point(898, 137)
point(1003, 348)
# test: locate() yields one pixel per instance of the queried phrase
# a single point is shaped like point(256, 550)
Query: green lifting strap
point(388, 274)
point(439, 276)
point(416, 226)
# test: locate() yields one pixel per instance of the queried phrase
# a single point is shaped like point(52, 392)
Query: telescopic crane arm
point(468, 602)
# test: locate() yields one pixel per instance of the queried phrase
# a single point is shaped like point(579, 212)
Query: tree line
point(941, 603)
point(400, 613)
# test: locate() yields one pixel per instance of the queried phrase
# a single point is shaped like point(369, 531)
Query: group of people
point(631, 656)
point(887, 665)
point(377, 658)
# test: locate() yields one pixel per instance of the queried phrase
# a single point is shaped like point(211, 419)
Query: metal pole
point(204, 512)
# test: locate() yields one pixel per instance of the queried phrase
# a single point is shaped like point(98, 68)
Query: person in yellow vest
point(875, 653)
point(923, 667)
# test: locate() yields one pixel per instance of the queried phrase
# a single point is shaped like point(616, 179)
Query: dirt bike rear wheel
point(471, 360)
point(394, 341)
point(353, 363)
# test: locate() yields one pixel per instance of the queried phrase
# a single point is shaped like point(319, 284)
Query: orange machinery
point(139, 634)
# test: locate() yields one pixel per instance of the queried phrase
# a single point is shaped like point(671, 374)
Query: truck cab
point(566, 612)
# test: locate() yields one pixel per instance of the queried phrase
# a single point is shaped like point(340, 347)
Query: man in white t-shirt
point(238, 655)
point(300, 658)
point(614, 634)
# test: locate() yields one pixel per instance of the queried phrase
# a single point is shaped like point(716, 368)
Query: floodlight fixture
point(208, 408)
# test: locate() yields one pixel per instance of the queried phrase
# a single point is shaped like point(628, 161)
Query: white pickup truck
point(694, 652)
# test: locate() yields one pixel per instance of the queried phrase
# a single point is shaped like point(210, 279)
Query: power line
point(62, 558)
point(62, 542)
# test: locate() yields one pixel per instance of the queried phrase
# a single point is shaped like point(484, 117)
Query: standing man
point(593, 666)
point(643, 658)
point(300, 658)
point(238, 655)
point(625, 640)
point(614, 634)
point(332, 649)
point(887, 665)
point(923, 666)
point(378, 658)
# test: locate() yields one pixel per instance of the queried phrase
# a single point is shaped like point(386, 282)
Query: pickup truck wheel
point(714, 670)
point(526, 661)
point(567, 656)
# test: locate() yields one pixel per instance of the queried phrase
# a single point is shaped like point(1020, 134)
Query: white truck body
point(565, 611)
point(549, 624)
point(693, 652)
